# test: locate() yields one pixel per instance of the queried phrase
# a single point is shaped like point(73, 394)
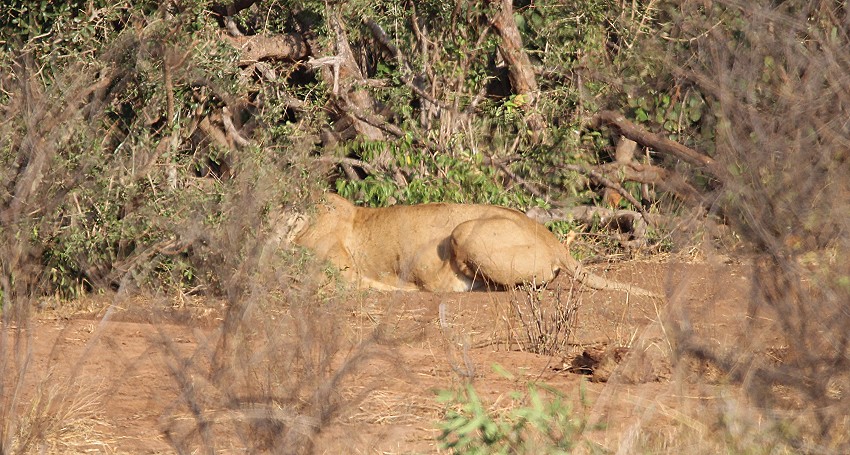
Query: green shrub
point(538, 420)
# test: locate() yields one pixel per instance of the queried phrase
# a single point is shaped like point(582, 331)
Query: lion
point(440, 247)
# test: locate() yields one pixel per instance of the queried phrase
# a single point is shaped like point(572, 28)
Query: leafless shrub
point(280, 370)
point(778, 73)
point(37, 124)
point(281, 367)
point(546, 323)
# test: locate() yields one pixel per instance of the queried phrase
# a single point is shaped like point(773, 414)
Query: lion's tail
point(578, 272)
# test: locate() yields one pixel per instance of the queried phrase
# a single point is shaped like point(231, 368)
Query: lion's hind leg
point(503, 252)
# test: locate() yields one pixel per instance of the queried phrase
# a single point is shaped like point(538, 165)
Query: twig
point(513, 176)
point(406, 70)
point(368, 168)
point(234, 133)
point(595, 175)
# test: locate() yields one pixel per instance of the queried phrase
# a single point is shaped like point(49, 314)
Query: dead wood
point(666, 180)
point(215, 134)
point(355, 105)
point(520, 70)
point(658, 143)
point(502, 165)
point(290, 47)
point(625, 168)
point(231, 27)
point(348, 165)
point(630, 224)
point(364, 123)
point(609, 183)
point(624, 153)
point(232, 132)
point(203, 83)
point(228, 9)
point(345, 161)
point(346, 68)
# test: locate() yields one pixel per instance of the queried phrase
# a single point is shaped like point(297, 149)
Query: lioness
point(440, 247)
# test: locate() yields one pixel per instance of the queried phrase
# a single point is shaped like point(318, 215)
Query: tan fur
point(440, 247)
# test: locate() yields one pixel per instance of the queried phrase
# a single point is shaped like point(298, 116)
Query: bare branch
point(232, 132)
point(502, 166)
point(600, 178)
point(666, 180)
point(406, 70)
point(348, 163)
point(345, 161)
point(631, 224)
point(231, 27)
point(648, 139)
point(226, 9)
point(214, 133)
point(290, 47)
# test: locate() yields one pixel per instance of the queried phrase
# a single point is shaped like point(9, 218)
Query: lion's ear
point(333, 202)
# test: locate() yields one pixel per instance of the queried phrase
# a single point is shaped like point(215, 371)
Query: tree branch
point(406, 70)
point(226, 9)
point(666, 180)
point(648, 139)
point(599, 177)
point(531, 188)
point(368, 168)
point(290, 47)
point(231, 129)
point(631, 224)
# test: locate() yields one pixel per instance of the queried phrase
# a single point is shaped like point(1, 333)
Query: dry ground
point(647, 403)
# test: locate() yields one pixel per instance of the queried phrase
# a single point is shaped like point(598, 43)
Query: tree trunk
point(520, 71)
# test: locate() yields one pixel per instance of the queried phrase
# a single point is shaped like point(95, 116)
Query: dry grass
point(396, 408)
point(62, 417)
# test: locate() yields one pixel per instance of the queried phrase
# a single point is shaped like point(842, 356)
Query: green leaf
point(501, 371)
